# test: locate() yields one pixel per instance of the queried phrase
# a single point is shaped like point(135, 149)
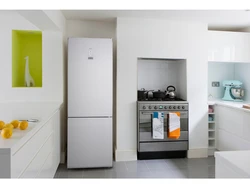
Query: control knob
point(170, 107)
point(149, 107)
point(183, 107)
point(155, 107)
point(174, 107)
point(165, 107)
point(144, 107)
point(179, 107)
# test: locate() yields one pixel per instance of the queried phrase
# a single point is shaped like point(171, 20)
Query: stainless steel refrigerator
point(90, 89)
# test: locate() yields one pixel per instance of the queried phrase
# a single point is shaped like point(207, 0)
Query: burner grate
point(159, 99)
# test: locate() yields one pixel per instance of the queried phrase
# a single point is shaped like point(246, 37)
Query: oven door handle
point(150, 113)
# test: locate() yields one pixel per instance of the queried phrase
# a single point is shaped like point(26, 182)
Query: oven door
point(145, 127)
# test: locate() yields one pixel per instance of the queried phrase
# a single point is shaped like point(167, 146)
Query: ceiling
point(216, 19)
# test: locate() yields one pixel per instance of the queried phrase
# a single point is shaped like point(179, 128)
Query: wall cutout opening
point(157, 74)
point(26, 58)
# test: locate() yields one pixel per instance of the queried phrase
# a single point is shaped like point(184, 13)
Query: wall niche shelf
point(26, 58)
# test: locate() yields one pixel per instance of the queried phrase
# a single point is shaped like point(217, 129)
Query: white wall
point(156, 74)
point(182, 79)
point(52, 89)
point(160, 39)
point(159, 74)
point(95, 29)
point(219, 71)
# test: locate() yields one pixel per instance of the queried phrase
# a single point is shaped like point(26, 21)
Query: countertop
point(232, 104)
point(9, 111)
point(237, 160)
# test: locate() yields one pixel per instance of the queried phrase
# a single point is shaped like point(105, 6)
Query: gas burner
point(159, 99)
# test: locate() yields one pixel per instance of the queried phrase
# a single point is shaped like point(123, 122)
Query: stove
point(149, 148)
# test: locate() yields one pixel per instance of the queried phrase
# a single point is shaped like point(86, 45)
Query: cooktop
point(161, 99)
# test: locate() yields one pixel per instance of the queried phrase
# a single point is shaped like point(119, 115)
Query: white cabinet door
point(246, 126)
point(89, 142)
point(232, 129)
point(229, 46)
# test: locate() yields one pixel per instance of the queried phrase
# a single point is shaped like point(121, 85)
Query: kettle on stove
point(170, 92)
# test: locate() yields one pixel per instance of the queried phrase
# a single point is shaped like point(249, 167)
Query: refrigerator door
point(90, 142)
point(90, 77)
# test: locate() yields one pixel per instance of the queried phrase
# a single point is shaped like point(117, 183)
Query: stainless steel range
point(149, 148)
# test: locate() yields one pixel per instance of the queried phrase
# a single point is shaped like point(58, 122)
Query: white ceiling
point(216, 19)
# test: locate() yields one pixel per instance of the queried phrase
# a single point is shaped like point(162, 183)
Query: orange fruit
point(6, 132)
point(8, 125)
point(15, 123)
point(23, 125)
point(1, 125)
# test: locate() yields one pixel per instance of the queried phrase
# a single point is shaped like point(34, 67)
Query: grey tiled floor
point(162, 168)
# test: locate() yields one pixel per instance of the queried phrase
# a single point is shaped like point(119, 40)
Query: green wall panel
point(26, 43)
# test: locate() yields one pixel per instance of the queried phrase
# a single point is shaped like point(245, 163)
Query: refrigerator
point(90, 103)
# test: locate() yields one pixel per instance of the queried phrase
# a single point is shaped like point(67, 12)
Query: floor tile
point(144, 174)
point(198, 161)
point(211, 176)
point(162, 168)
point(71, 174)
point(57, 175)
point(136, 166)
point(94, 173)
point(119, 166)
point(166, 173)
point(176, 163)
point(156, 164)
point(201, 171)
point(62, 167)
point(211, 169)
point(211, 161)
point(181, 173)
point(120, 174)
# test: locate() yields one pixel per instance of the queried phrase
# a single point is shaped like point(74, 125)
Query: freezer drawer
point(90, 142)
point(164, 146)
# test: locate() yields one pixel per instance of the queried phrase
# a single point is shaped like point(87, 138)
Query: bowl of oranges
point(7, 128)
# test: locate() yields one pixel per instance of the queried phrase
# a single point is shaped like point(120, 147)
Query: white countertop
point(232, 104)
point(9, 111)
point(239, 161)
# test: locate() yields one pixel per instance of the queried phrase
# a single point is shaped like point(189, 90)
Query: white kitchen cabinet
point(39, 156)
point(225, 46)
point(228, 165)
point(233, 129)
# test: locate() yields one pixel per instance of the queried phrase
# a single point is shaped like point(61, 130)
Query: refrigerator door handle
point(91, 117)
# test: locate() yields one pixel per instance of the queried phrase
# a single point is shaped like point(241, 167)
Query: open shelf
point(211, 135)
point(211, 143)
point(211, 126)
point(26, 43)
point(211, 130)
